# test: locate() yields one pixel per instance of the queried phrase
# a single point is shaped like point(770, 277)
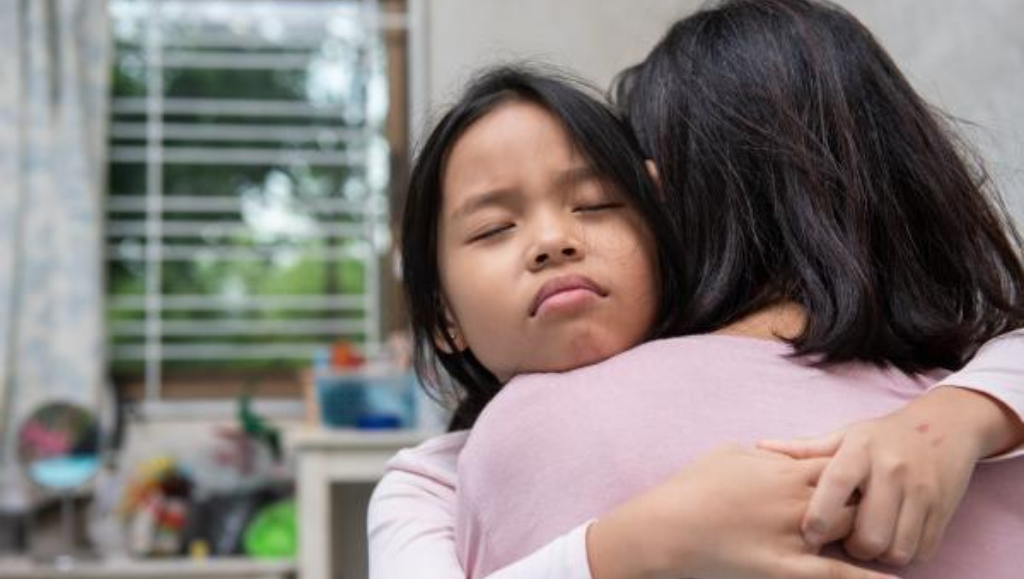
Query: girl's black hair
point(802, 166)
point(600, 137)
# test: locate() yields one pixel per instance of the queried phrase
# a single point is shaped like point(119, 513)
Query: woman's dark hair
point(599, 136)
point(802, 166)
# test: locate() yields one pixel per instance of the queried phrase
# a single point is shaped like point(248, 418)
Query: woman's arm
point(913, 465)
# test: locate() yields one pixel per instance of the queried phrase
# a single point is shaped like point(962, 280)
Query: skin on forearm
point(614, 552)
point(997, 429)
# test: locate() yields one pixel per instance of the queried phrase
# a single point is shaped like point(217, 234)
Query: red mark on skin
point(938, 440)
point(922, 428)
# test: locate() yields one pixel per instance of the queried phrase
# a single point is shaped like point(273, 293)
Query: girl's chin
point(586, 353)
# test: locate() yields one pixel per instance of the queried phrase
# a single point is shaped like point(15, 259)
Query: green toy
point(255, 426)
point(273, 532)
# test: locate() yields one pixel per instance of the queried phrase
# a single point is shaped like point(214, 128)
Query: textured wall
point(967, 57)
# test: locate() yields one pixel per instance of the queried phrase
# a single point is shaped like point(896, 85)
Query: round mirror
point(58, 445)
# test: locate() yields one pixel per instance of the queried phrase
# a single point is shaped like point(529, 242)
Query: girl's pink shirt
point(412, 512)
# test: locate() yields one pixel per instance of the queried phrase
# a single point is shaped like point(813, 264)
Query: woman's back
point(552, 451)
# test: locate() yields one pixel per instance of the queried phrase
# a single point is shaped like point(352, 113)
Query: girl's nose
point(567, 252)
point(556, 249)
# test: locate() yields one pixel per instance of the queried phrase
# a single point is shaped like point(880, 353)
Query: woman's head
point(802, 166)
point(529, 236)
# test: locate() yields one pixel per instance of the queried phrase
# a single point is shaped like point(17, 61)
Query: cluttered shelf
point(216, 498)
point(170, 568)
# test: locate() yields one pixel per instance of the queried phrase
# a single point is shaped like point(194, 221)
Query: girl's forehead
point(516, 140)
point(512, 122)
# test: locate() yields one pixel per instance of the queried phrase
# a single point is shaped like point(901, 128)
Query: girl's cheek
point(626, 244)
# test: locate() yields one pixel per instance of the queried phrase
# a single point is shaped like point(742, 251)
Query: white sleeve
point(563, 558)
point(411, 516)
point(411, 523)
point(997, 370)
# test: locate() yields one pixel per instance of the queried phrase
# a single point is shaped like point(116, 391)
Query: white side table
point(326, 457)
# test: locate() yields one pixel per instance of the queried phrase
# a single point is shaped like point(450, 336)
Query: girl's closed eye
point(598, 206)
point(490, 231)
point(596, 199)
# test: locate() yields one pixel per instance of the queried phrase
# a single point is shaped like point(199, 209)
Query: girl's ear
point(652, 170)
point(449, 338)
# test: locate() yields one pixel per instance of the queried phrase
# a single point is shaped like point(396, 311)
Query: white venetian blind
point(248, 188)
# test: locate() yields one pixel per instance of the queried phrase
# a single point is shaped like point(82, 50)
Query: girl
point(447, 325)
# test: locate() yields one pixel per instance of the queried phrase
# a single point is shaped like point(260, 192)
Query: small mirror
point(58, 446)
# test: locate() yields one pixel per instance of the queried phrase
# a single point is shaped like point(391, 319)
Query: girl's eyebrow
point(496, 197)
point(508, 197)
point(573, 174)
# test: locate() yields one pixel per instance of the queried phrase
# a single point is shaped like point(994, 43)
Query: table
point(328, 457)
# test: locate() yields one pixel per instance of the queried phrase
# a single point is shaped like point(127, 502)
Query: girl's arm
point(411, 516)
point(671, 531)
point(733, 513)
point(411, 523)
point(918, 460)
point(997, 374)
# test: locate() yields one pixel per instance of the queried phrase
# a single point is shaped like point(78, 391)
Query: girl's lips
point(563, 284)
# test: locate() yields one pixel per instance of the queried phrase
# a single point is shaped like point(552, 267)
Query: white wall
point(596, 38)
point(967, 57)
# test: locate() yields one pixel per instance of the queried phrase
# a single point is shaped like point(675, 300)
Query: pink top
point(524, 481)
point(411, 520)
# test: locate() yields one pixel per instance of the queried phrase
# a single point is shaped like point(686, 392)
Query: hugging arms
point(412, 518)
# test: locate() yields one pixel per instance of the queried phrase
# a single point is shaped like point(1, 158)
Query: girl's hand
point(734, 514)
point(910, 469)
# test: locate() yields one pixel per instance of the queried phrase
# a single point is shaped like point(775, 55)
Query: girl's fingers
point(815, 567)
point(818, 446)
point(842, 526)
point(877, 516)
point(909, 529)
point(934, 528)
point(812, 469)
point(843, 475)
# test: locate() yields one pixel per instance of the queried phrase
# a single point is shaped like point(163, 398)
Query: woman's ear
point(652, 170)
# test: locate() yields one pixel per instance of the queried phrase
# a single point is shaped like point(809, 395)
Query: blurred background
point(197, 251)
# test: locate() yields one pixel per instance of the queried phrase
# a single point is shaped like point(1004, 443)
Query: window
point(253, 150)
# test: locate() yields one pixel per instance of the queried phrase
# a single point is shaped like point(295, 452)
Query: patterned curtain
point(54, 97)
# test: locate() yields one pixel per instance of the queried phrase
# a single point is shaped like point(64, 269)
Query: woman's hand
point(910, 469)
point(733, 514)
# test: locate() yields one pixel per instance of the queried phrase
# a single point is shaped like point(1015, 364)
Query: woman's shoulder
point(689, 353)
point(704, 343)
point(666, 357)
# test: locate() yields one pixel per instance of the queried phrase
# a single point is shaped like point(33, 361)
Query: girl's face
point(544, 266)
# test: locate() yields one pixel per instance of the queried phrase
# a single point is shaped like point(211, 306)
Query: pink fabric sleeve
point(411, 523)
point(998, 371)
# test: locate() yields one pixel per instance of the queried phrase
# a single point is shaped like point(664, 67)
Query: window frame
point(213, 393)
